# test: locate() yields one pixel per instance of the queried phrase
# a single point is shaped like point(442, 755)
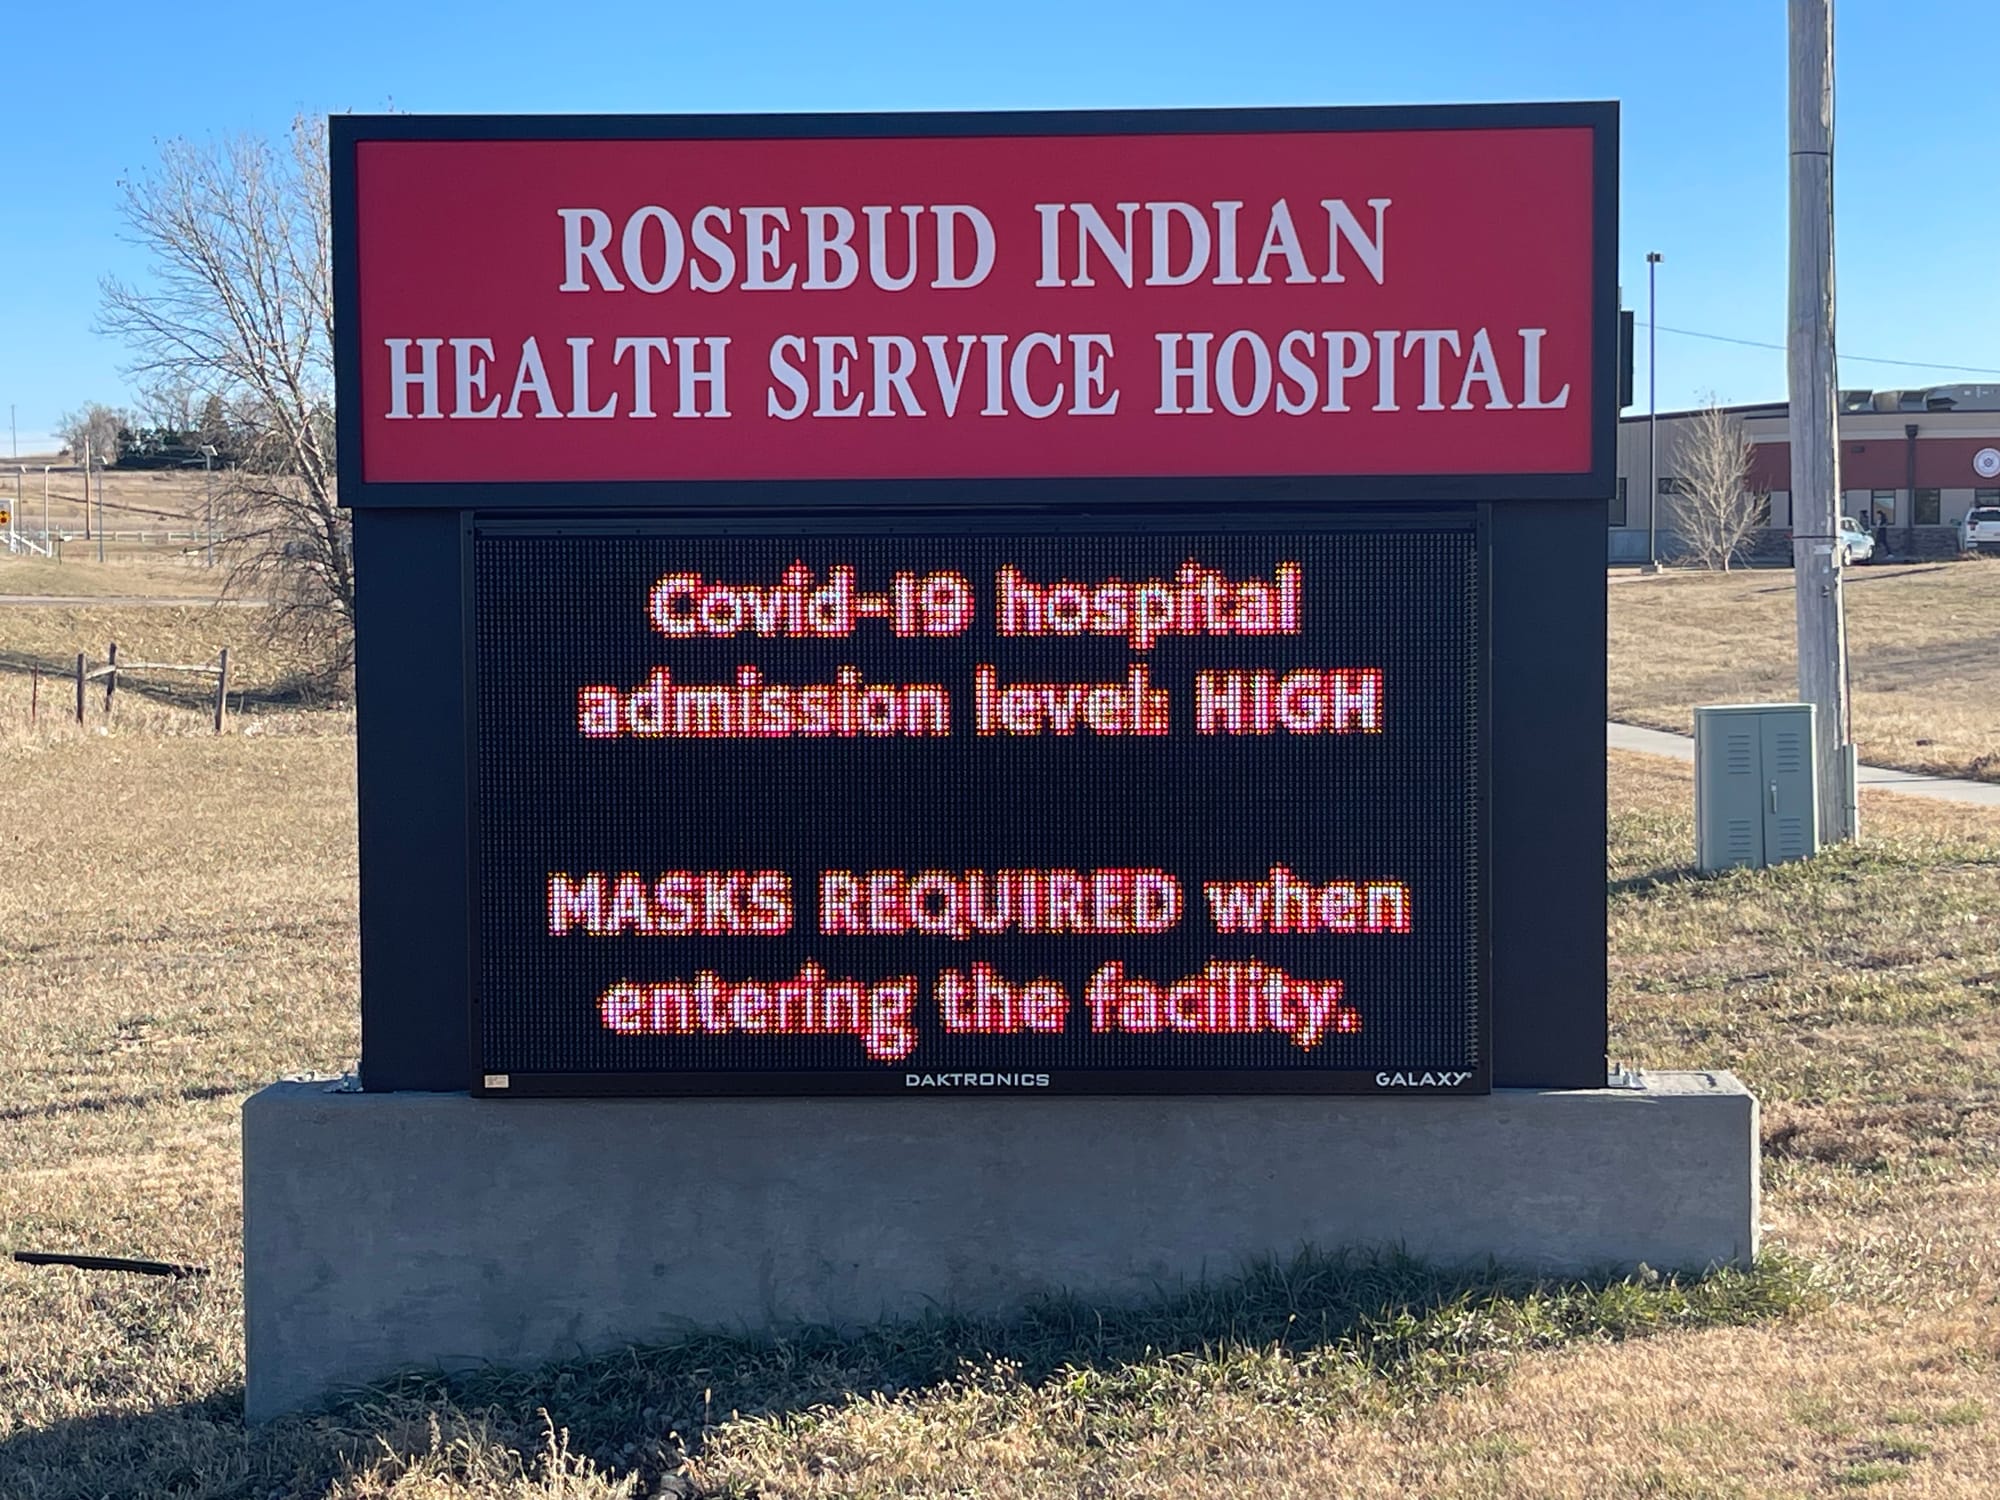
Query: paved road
point(126, 601)
point(1873, 778)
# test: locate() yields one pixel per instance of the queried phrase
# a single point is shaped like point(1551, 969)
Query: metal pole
point(1652, 411)
point(208, 489)
point(86, 489)
point(1814, 393)
point(1910, 430)
point(100, 507)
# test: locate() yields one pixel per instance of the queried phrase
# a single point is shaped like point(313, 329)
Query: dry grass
point(47, 638)
point(1923, 654)
point(177, 927)
point(153, 500)
point(131, 571)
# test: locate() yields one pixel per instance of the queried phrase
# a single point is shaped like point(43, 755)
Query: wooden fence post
point(111, 679)
point(79, 687)
point(221, 688)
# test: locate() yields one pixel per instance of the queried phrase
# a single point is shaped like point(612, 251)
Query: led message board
point(1063, 810)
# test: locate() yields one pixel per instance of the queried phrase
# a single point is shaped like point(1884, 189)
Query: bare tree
point(102, 427)
point(169, 404)
point(239, 304)
point(1715, 507)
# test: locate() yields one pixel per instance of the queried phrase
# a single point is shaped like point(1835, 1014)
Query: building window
point(1929, 509)
point(1763, 504)
point(1618, 505)
point(1985, 497)
point(1883, 503)
point(1673, 486)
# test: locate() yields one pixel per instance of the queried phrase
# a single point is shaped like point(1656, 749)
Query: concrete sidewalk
point(1873, 778)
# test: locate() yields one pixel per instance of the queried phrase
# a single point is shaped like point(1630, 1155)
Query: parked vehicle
point(1980, 530)
point(1856, 545)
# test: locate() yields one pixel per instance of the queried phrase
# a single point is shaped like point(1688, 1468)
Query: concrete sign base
point(401, 1230)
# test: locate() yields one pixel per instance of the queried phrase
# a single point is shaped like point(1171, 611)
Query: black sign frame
point(1545, 802)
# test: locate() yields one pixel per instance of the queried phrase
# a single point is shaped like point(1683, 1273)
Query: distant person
point(1881, 534)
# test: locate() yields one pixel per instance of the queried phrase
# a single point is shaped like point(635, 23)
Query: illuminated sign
point(948, 304)
point(1160, 811)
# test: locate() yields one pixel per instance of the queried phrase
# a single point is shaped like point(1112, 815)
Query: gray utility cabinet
point(1756, 787)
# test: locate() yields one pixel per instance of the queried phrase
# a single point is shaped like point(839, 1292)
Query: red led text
point(1285, 903)
point(1197, 600)
point(1308, 701)
point(960, 904)
point(676, 904)
point(684, 605)
point(752, 708)
point(1224, 998)
point(988, 1005)
point(812, 1003)
point(1133, 706)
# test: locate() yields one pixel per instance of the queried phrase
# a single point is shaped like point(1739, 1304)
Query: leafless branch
point(1715, 507)
point(239, 305)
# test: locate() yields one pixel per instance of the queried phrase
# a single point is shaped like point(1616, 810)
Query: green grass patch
point(1870, 1472)
point(1960, 1414)
point(1318, 1337)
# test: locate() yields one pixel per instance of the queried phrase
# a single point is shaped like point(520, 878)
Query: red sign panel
point(1298, 302)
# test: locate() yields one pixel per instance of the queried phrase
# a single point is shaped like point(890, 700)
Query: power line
point(1860, 359)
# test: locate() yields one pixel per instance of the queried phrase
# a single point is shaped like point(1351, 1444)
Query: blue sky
point(1702, 83)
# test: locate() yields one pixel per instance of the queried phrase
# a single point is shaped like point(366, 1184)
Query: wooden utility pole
point(1815, 406)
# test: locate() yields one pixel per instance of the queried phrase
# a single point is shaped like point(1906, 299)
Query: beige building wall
point(1874, 447)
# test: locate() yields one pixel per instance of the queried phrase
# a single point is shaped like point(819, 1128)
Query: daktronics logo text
point(975, 1080)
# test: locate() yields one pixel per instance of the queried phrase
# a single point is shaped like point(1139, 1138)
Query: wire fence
point(112, 669)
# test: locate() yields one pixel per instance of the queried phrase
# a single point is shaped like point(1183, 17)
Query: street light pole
point(1652, 411)
point(208, 489)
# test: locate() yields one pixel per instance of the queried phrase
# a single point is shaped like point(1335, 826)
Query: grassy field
point(151, 500)
point(150, 572)
point(1923, 656)
point(185, 931)
point(158, 610)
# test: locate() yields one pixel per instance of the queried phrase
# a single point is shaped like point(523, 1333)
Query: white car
point(1856, 545)
point(1980, 530)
